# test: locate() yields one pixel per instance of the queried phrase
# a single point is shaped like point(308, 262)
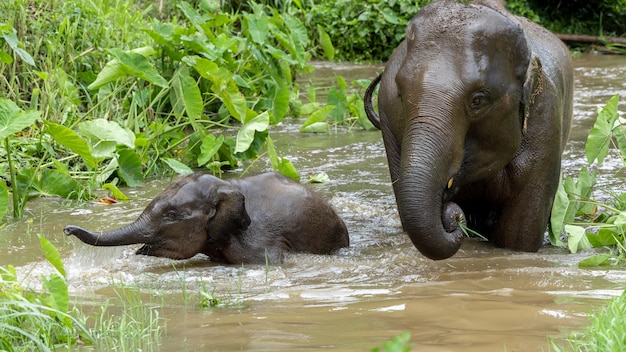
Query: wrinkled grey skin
point(475, 109)
point(257, 219)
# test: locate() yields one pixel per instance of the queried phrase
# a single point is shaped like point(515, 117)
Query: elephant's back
point(303, 218)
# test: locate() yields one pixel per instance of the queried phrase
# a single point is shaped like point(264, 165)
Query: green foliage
point(38, 321)
point(581, 222)
point(597, 17)
point(360, 30)
point(195, 88)
point(45, 321)
point(399, 343)
point(607, 331)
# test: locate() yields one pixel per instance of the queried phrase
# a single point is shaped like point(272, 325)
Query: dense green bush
point(596, 17)
point(362, 30)
point(371, 30)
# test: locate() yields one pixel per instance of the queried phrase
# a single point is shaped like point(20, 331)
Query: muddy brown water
point(482, 299)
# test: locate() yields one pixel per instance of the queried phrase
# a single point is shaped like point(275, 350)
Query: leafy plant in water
point(13, 120)
point(399, 343)
point(577, 220)
point(38, 320)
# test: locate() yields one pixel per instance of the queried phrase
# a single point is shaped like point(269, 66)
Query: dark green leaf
point(105, 135)
point(119, 195)
point(13, 119)
point(210, 146)
point(59, 298)
point(326, 43)
point(599, 139)
point(595, 260)
point(316, 122)
point(69, 139)
point(576, 239)
point(130, 167)
point(177, 166)
point(604, 237)
point(52, 255)
point(245, 136)
point(282, 165)
point(281, 102)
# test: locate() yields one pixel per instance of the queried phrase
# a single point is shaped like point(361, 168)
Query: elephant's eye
point(171, 215)
point(479, 100)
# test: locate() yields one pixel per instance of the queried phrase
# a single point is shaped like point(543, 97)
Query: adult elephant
point(257, 219)
point(475, 108)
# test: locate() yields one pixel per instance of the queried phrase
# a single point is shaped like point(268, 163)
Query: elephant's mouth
point(147, 249)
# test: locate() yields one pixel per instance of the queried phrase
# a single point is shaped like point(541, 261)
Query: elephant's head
point(458, 95)
point(196, 214)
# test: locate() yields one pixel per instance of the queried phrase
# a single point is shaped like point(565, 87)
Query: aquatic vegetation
point(399, 343)
point(578, 220)
point(607, 331)
point(45, 320)
point(197, 88)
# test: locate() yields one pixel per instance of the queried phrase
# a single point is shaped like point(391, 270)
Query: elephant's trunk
point(130, 234)
point(428, 165)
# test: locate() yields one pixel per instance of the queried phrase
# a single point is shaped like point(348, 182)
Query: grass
point(607, 331)
point(46, 321)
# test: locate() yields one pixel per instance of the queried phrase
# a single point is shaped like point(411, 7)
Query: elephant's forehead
point(453, 22)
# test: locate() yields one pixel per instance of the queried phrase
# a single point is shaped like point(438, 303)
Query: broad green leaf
point(108, 171)
point(59, 297)
point(595, 260)
point(223, 85)
point(10, 37)
point(69, 139)
point(5, 57)
point(317, 118)
point(192, 98)
point(599, 139)
point(576, 239)
point(13, 119)
point(245, 136)
point(55, 182)
point(299, 38)
point(192, 15)
point(604, 237)
point(119, 195)
point(281, 99)
point(297, 29)
point(337, 98)
point(619, 133)
point(138, 65)
point(130, 167)
point(326, 43)
point(178, 167)
point(280, 164)
point(105, 135)
point(316, 127)
point(134, 63)
point(210, 146)
point(319, 178)
point(52, 255)
point(258, 27)
point(390, 16)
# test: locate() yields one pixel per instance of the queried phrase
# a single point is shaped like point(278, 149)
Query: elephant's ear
point(533, 86)
point(228, 215)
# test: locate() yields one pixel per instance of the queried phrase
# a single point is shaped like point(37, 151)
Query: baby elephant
point(254, 220)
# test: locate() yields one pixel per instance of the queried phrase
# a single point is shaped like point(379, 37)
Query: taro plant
point(39, 321)
point(12, 121)
point(578, 220)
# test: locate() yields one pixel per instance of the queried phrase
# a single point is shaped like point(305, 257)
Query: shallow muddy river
point(482, 299)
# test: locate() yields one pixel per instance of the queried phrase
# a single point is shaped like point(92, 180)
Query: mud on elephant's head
point(248, 220)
